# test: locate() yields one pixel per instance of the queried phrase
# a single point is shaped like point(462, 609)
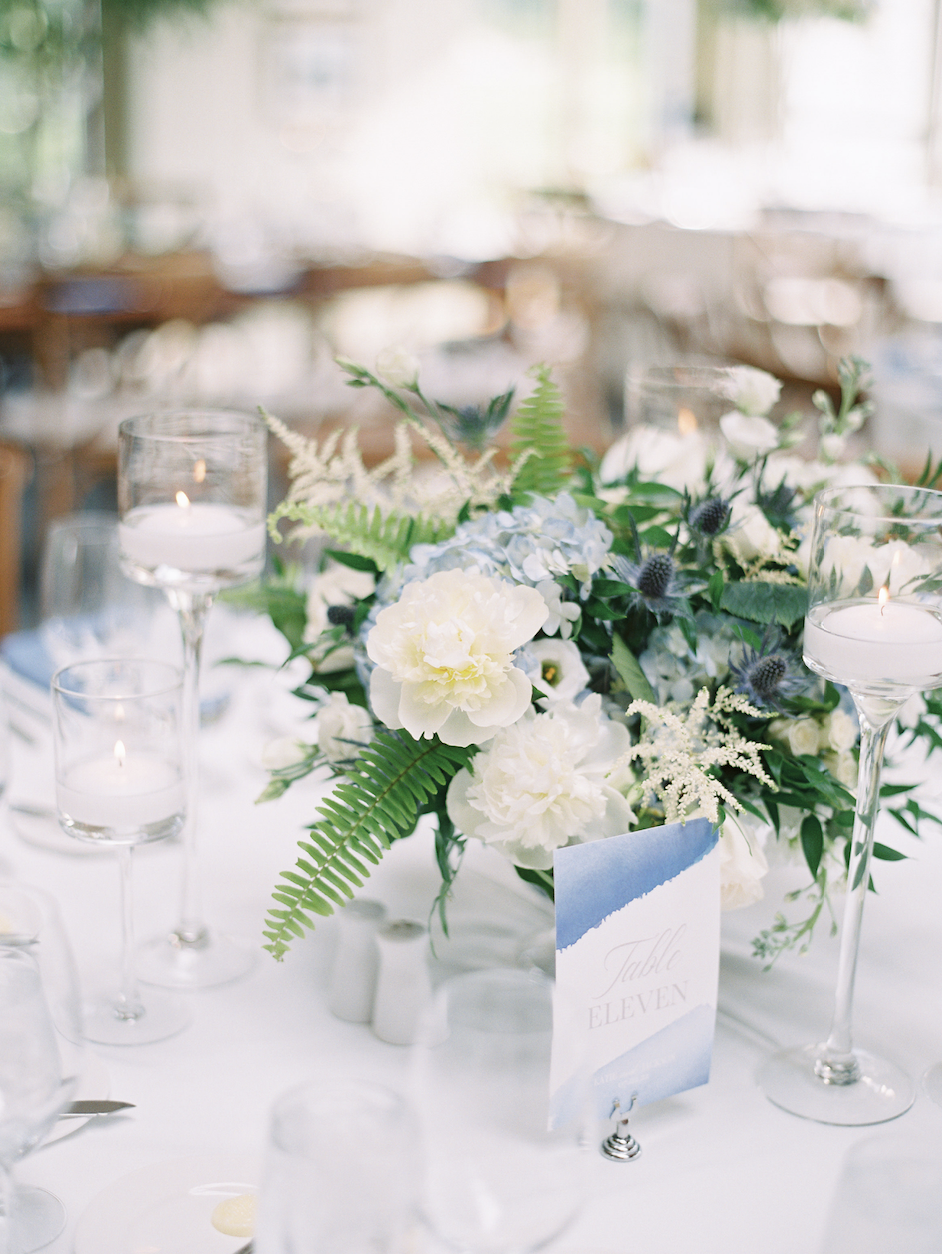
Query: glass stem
point(192, 608)
point(838, 1064)
point(128, 1005)
point(6, 1209)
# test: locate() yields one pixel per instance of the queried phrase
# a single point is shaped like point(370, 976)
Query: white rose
point(840, 730)
point(748, 436)
point(562, 674)
point(843, 766)
point(742, 864)
point(750, 534)
point(444, 656)
point(545, 783)
point(803, 735)
point(398, 367)
point(286, 751)
point(751, 390)
point(339, 723)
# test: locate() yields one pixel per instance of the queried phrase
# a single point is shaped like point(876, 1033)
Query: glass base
point(881, 1091)
point(203, 961)
point(932, 1083)
point(38, 1218)
point(160, 1016)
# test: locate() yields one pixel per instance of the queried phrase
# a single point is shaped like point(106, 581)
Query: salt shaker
point(356, 961)
point(404, 986)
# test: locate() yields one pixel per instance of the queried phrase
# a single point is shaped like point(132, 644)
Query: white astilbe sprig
point(679, 748)
point(333, 472)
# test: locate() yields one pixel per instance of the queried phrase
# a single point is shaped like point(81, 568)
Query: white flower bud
point(398, 367)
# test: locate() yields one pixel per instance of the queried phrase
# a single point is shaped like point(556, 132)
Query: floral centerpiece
point(559, 648)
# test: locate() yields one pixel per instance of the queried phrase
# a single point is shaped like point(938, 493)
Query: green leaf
point(384, 539)
point(537, 430)
point(886, 853)
point(630, 672)
point(353, 560)
point(378, 801)
point(763, 602)
point(812, 842)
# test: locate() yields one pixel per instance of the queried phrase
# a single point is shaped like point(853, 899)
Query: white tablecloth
point(722, 1170)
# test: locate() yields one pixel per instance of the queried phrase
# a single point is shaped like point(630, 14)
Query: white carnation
point(338, 724)
point(544, 783)
point(444, 656)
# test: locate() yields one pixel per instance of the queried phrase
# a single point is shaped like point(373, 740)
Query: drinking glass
point(41, 1054)
point(88, 607)
point(874, 624)
point(680, 399)
point(119, 782)
point(191, 498)
point(340, 1172)
point(495, 1179)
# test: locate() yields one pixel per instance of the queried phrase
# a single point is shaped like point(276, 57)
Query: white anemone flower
point(444, 656)
point(562, 673)
point(543, 783)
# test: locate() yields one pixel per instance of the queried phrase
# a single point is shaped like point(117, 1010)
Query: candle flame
point(119, 752)
point(199, 471)
point(686, 421)
point(882, 597)
point(182, 500)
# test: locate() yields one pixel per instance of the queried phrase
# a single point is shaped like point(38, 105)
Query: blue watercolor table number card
point(637, 967)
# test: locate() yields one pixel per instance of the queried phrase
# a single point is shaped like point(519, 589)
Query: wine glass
point(88, 607)
point(117, 726)
point(41, 1054)
point(495, 1179)
point(874, 624)
point(340, 1173)
point(192, 497)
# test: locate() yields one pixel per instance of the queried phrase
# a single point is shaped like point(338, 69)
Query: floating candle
point(200, 536)
point(121, 790)
point(868, 641)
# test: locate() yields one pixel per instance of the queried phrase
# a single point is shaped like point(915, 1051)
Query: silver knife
point(82, 1109)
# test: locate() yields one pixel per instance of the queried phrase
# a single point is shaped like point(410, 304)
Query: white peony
point(397, 366)
point(338, 724)
point(751, 390)
point(444, 656)
point(544, 783)
point(748, 436)
point(742, 864)
point(562, 673)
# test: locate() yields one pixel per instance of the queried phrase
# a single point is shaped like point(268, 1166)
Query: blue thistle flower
point(767, 675)
point(655, 582)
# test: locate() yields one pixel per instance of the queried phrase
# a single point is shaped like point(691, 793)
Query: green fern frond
point(377, 802)
point(384, 538)
point(538, 436)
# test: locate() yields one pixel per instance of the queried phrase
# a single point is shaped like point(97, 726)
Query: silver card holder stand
point(621, 1147)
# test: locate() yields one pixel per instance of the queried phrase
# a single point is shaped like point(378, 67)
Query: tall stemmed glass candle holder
point(192, 497)
point(120, 782)
point(874, 624)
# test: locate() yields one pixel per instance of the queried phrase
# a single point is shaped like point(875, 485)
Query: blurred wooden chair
point(14, 471)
